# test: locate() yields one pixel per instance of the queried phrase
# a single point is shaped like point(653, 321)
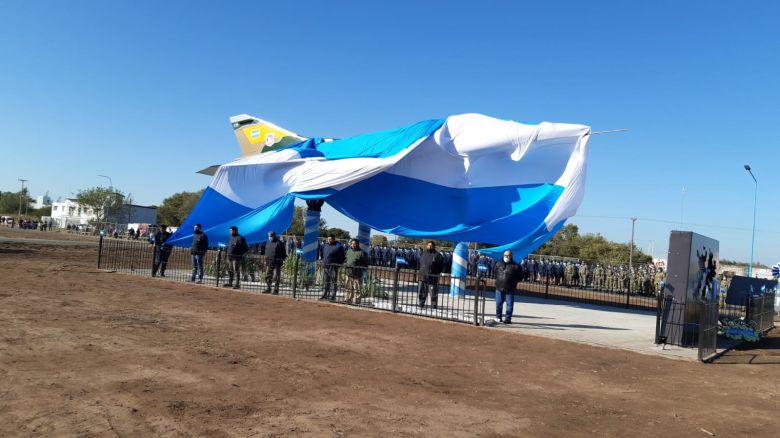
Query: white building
point(42, 201)
point(70, 212)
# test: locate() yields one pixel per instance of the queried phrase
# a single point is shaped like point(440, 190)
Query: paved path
point(632, 330)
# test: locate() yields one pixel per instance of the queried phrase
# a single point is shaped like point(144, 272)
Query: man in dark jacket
point(161, 250)
point(332, 259)
point(236, 249)
point(356, 263)
point(431, 266)
point(507, 275)
point(200, 244)
point(274, 259)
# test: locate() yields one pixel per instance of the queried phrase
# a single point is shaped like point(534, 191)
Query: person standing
point(200, 244)
point(357, 262)
point(161, 250)
point(507, 276)
point(332, 258)
point(237, 248)
point(431, 266)
point(274, 259)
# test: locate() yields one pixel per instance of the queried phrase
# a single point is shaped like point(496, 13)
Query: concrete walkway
point(632, 330)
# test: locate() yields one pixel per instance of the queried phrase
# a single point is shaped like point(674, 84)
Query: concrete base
point(632, 330)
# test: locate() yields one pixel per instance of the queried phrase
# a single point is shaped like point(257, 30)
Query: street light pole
point(21, 194)
point(110, 183)
point(753, 239)
point(630, 266)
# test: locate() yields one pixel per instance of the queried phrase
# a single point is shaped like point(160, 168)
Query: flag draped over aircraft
point(465, 178)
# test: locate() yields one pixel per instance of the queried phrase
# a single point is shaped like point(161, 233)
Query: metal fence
point(758, 311)
point(381, 288)
point(672, 329)
point(761, 310)
point(394, 289)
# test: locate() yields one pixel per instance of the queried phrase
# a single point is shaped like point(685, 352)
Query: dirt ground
point(92, 353)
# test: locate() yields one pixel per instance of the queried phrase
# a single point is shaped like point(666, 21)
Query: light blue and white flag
point(466, 178)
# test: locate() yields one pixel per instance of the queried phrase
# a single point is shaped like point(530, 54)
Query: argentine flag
point(465, 178)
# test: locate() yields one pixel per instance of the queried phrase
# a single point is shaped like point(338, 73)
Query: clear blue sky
point(142, 92)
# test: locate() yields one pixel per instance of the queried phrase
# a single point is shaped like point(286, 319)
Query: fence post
point(628, 290)
point(547, 287)
point(154, 256)
point(477, 295)
point(100, 251)
point(295, 274)
point(219, 264)
point(658, 317)
point(395, 288)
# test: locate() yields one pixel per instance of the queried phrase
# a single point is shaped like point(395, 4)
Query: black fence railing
point(383, 288)
point(671, 328)
point(761, 310)
point(674, 325)
point(394, 289)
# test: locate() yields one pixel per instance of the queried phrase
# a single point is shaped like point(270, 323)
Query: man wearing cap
point(274, 259)
point(161, 250)
point(200, 244)
point(237, 247)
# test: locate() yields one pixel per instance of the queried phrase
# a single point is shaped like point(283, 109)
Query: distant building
point(132, 213)
point(42, 201)
point(70, 212)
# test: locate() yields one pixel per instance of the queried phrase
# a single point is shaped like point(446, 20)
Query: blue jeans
point(197, 266)
point(510, 304)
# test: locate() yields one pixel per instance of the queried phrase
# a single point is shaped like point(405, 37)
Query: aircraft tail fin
point(256, 136)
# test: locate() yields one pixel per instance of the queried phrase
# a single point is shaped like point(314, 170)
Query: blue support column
point(364, 237)
point(460, 263)
point(311, 232)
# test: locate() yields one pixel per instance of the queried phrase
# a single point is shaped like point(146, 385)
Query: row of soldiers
point(645, 279)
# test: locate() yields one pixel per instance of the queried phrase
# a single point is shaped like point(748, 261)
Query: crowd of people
point(26, 224)
point(429, 263)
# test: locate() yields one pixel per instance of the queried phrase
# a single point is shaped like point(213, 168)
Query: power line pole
point(21, 194)
point(630, 261)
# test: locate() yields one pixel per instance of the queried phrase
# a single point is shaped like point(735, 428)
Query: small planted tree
point(103, 201)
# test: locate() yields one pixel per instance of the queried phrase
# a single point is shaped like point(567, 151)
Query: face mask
point(507, 259)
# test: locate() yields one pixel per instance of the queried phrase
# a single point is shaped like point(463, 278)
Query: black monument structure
point(691, 284)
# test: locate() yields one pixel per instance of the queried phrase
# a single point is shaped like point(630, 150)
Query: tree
point(297, 227)
point(299, 218)
point(591, 247)
point(9, 201)
point(413, 241)
point(41, 212)
point(379, 240)
point(337, 232)
point(175, 208)
point(102, 201)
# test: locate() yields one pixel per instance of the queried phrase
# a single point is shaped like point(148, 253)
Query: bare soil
point(84, 352)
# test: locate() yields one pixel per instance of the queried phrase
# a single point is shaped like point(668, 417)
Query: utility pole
point(630, 261)
point(752, 239)
point(21, 194)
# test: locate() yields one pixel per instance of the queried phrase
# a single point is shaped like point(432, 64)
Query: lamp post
point(630, 263)
point(21, 194)
point(753, 240)
point(110, 183)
